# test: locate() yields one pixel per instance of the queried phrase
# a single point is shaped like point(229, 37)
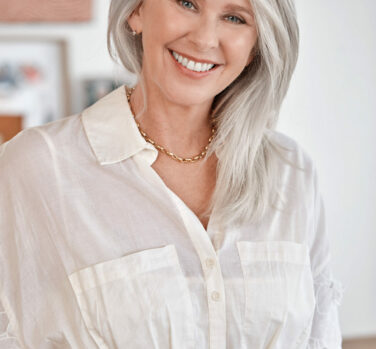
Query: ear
point(135, 19)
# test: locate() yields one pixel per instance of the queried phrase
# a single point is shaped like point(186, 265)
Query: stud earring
point(134, 32)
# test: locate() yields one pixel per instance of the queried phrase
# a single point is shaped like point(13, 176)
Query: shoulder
point(290, 149)
point(296, 170)
point(33, 148)
point(291, 155)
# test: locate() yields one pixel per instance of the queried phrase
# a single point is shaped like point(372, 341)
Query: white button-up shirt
point(97, 252)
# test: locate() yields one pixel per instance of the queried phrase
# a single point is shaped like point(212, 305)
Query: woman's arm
point(325, 331)
point(7, 339)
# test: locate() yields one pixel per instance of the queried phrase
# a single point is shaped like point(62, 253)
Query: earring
point(134, 32)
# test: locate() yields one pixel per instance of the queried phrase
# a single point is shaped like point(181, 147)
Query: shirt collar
point(112, 131)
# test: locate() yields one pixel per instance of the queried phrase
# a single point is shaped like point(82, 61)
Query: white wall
point(330, 110)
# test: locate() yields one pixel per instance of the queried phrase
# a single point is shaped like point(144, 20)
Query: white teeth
point(191, 65)
point(198, 67)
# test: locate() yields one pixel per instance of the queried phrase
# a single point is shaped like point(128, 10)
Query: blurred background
point(54, 63)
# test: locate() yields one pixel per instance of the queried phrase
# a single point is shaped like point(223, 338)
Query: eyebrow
point(234, 7)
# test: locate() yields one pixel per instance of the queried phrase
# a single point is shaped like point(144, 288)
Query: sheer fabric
point(97, 252)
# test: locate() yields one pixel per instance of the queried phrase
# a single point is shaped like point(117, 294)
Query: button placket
point(215, 295)
point(217, 240)
point(207, 252)
point(210, 262)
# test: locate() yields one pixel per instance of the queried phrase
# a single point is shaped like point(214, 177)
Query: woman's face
point(216, 31)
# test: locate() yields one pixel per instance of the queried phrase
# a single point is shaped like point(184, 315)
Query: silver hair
point(246, 110)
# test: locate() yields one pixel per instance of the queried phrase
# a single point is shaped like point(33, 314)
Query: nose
point(204, 35)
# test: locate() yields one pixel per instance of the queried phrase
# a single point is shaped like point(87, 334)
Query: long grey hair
point(246, 111)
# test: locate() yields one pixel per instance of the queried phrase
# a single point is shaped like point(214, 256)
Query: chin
point(188, 96)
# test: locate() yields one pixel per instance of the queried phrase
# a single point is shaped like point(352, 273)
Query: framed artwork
point(45, 10)
point(33, 79)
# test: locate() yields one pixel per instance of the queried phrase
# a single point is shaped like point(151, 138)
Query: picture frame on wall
point(33, 81)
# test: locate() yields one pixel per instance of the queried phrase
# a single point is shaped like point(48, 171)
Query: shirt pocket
point(141, 300)
point(278, 286)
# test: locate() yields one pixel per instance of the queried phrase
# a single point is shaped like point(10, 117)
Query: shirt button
point(216, 240)
point(215, 296)
point(210, 263)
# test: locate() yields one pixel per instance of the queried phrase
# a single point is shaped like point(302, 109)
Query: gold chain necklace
point(159, 147)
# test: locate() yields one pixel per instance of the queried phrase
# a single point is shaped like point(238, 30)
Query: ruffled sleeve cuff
point(6, 339)
point(326, 333)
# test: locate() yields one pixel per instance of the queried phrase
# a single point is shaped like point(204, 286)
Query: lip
point(195, 59)
point(191, 73)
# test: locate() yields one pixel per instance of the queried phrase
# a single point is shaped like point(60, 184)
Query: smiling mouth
point(191, 65)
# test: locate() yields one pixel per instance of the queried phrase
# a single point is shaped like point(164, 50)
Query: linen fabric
point(97, 252)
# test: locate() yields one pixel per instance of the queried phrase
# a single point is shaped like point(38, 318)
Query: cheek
point(165, 23)
point(240, 47)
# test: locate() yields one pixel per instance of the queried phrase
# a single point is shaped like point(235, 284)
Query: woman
point(172, 214)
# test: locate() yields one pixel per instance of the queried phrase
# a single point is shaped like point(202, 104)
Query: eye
point(184, 3)
point(237, 20)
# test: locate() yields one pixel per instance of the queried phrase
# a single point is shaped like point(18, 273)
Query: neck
point(183, 130)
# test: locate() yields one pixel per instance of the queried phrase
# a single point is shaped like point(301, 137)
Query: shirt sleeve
point(31, 270)
point(325, 330)
point(7, 338)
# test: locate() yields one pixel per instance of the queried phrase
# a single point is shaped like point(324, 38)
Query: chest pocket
point(278, 288)
point(140, 300)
